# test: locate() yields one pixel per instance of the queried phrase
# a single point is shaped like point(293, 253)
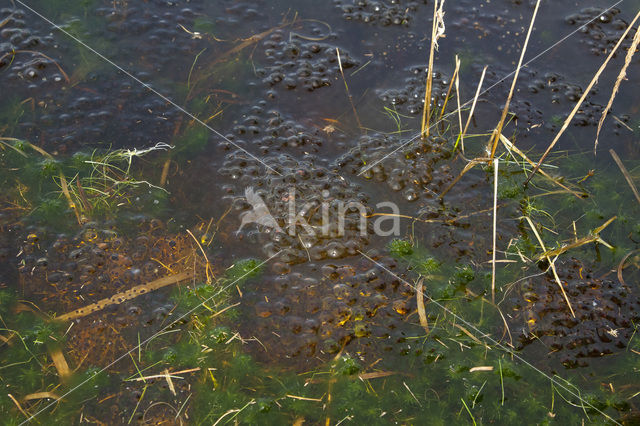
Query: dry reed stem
point(40, 395)
point(625, 172)
point(172, 374)
point(594, 80)
point(60, 363)
point(132, 293)
point(15, 401)
point(422, 314)
point(496, 164)
point(353, 107)
point(466, 168)
point(468, 333)
point(621, 76)
point(208, 264)
point(446, 98)
point(511, 147)
point(493, 142)
point(621, 266)
point(473, 107)
point(552, 264)
point(437, 31)
point(591, 238)
point(458, 101)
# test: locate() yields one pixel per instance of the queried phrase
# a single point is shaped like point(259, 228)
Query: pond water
point(224, 212)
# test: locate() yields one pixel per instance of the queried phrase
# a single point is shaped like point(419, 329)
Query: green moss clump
point(427, 266)
point(347, 366)
point(400, 248)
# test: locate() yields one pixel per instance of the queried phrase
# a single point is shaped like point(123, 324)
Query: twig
point(458, 102)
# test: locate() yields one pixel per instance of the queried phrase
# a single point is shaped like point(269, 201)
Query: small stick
point(625, 172)
point(495, 221)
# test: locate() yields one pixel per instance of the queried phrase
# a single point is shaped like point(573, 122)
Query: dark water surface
point(152, 151)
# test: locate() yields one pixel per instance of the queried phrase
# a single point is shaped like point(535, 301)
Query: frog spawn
point(71, 272)
point(416, 175)
point(605, 313)
point(309, 315)
point(327, 219)
point(395, 12)
point(601, 29)
point(70, 118)
point(20, 60)
point(293, 64)
point(409, 98)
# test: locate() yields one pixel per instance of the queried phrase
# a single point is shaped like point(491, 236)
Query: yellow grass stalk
point(621, 76)
point(353, 107)
point(626, 174)
point(132, 293)
point(60, 363)
point(594, 80)
point(493, 142)
point(453, 79)
point(511, 147)
point(473, 107)
point(496, 163)
point(437, 31)
point(553, 266)
point(458, 101)
point(591, 238)
point(422, 313)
